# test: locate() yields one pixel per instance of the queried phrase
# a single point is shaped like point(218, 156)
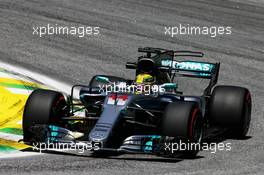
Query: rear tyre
point(43, 107)
point(183, 121)
point(230, 107)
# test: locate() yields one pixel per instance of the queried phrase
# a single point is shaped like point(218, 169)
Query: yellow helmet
point(144, 78)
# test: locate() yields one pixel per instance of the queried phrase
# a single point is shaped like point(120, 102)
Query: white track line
point(19, 91)
point(12, 137)
point(54, 84)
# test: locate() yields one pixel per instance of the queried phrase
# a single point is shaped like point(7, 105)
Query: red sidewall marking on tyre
point(59, 100)
point(248, 98)
point(192, 121)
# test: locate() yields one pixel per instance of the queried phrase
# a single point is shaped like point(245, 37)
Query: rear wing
point(195, 69)
point(165, 61)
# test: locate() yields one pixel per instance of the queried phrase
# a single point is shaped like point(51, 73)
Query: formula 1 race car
point(142, 115)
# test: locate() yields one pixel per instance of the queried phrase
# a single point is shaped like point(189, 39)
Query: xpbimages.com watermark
point(80, 31)
point(183, 146)
point(134, 89)
point(212, 31)
point(80, 147)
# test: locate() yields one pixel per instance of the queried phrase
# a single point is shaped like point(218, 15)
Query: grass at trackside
point(20, 86)
point(16, 131)
point(4, 148)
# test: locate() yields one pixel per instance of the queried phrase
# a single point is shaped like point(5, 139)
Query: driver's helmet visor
point(144, 79)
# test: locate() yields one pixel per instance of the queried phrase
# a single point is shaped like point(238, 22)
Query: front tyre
point(183, 121)
point(43, 107)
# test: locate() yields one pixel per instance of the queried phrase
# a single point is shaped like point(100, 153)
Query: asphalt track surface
point(124, 26)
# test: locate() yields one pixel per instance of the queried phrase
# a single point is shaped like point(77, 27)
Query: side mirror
point(102, 79)
point(130, 65)
point(169, 86)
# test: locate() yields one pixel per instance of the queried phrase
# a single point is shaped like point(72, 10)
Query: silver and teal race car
point(144, 115)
